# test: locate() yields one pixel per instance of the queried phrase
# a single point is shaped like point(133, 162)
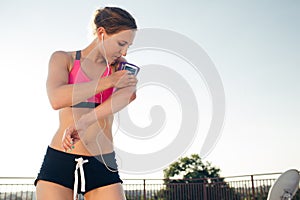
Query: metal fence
point(249, 187)
point(17, 188)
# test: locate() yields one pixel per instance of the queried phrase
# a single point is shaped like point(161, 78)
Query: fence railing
point(248, 187)
point(17, 188)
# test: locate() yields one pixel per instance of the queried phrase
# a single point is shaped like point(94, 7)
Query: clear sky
point(254, 45)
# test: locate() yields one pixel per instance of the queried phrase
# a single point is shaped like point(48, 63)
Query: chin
point(117, 60)
point(114, 62)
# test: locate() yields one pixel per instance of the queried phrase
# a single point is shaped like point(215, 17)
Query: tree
point(191, 168)
point(191, 179)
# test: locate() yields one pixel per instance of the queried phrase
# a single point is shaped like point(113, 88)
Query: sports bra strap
point(78, 55)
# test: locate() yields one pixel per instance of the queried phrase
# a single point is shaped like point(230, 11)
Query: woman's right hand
point(73, 134)
point(123, 78)
point(70, 137)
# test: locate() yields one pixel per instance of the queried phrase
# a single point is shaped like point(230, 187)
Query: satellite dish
point(286, 186)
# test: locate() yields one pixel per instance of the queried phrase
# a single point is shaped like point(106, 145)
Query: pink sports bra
point(76, 75)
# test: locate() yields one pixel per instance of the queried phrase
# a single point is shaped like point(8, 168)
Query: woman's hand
point(72, 135)
point(123, 78)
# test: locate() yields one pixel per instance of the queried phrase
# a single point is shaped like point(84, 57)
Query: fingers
point(67, 141)
point(132, 80)
point(69, 138)
point(126, 79)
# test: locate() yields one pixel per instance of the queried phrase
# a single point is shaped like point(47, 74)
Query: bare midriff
point(97, 138)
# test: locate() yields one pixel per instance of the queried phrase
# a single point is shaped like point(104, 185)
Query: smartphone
point(133, 69)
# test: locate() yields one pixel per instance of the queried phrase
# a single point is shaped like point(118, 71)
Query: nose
point(124, 51)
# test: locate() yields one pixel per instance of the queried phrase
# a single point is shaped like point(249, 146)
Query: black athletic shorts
point(59, 167)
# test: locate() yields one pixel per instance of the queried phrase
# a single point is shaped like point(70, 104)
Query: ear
point(100, 32)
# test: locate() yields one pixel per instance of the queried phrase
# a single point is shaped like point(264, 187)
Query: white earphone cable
point(99, 146)
point(107, 65)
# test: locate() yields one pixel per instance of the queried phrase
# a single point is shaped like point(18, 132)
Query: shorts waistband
point(71, 157)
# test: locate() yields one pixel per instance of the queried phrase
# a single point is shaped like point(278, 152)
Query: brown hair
point(114, 20)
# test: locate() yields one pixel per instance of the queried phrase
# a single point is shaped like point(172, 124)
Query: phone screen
point(130, 69)
point(133, 69)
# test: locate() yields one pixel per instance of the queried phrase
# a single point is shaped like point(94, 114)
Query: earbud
point(102, 36)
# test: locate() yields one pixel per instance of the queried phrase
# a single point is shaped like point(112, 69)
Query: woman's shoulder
point(67, 55)
point(63, 57)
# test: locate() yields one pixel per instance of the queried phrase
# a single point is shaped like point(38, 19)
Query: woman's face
point(116, 45)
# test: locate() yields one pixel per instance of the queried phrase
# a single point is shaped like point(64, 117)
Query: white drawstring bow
point(79, 166)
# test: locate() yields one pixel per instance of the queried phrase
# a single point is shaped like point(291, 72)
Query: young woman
point(87, 89)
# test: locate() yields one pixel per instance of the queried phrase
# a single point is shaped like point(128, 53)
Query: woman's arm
point(118, 100)
point(115, 103)
point(61, 94)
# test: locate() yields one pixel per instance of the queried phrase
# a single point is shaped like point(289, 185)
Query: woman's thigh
point(111, 192)
point(46, 190)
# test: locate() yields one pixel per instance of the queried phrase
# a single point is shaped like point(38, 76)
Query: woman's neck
point(93, 53)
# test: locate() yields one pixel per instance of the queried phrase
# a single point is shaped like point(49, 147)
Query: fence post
point(144, 189)
point(253, 189)
point(204, 191)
